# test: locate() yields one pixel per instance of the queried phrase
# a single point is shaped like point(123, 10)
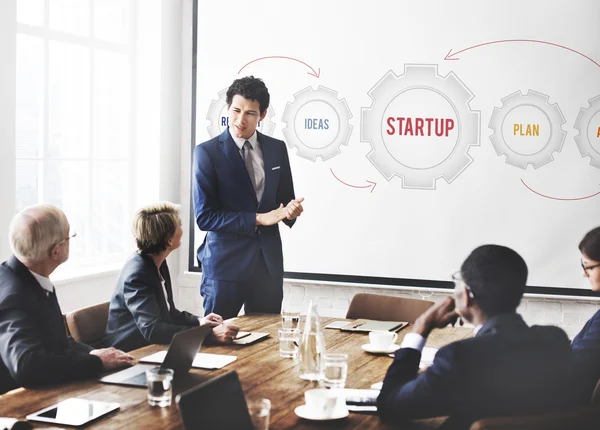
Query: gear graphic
point(552, 113)
point(340, 107)
point(582, 139)
point(425, 77)
point(214, 116)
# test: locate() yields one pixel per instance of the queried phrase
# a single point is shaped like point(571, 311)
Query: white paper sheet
point(202, 360)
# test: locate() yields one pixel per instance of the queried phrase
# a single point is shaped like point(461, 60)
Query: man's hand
point(226, 332)
point(294, 208)
point(273, 217)
point(437, 316)
point(212, 320)
point(113, 358)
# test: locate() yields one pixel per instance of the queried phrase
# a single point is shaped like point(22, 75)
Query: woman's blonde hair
point(35, 230)
point(154, 225)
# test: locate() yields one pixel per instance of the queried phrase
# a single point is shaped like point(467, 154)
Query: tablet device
point(251, 338)
point(242, 334)
point(337, 324)
point(73, 412)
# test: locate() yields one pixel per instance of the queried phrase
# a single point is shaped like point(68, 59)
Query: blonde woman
point(142, 310)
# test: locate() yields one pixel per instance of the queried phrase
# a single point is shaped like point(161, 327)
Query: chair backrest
point(218, 403)
point(87, 324)
point(386, 308)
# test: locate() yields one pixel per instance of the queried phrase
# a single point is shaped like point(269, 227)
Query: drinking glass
point(288, 342)
point(335, 370)
point(290, 319)
point(159, 386)
point(260, 412)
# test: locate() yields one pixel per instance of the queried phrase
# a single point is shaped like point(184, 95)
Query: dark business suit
point(138, 313)
point(586, 358)
point(241, 263)
point(507, 369)
point(34, 347)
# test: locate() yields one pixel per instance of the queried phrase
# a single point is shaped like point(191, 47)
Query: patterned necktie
point(247, 156)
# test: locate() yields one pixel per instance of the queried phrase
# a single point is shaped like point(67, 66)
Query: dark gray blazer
point(138, 314)
point(34, 347)
point(586, 358)
point(507, 369)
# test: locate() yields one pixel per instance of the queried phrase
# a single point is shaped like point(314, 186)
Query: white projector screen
point(418, 131)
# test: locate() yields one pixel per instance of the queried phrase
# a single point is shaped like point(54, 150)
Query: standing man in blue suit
point(242, 189)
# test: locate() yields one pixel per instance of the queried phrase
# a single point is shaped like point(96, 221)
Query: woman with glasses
point(142, 310)
point(586, 345)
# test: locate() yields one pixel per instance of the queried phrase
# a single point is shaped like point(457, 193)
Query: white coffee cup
point(382, 338)
point(321, 402)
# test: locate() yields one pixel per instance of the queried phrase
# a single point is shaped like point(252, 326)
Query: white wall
point(7, 118)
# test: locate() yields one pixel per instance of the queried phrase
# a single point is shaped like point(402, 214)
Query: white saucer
point(378, 350)
point(303, 412)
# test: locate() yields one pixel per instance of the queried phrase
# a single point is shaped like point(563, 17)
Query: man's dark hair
point(250, 88)
point(590, 244)
point(497, 275)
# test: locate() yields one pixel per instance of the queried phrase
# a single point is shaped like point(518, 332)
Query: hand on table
point(113, 358)
point(211, 320)
point(225, 332)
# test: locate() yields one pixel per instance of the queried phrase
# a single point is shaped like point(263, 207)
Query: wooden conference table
point(262, 372)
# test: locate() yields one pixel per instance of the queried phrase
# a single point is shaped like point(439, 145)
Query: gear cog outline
point(582, 123)
point(553, 115)
point(267, 126)
point(339, 106)
point(454, 91)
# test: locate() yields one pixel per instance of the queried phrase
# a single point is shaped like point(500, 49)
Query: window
point(76, 119)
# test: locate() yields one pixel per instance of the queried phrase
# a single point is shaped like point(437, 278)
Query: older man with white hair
point(34, 347)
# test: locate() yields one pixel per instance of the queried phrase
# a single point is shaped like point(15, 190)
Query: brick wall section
point(333, 301)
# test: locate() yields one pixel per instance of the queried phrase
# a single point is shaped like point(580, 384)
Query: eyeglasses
point(64, 240)
point(458, 280)
point(586, 268)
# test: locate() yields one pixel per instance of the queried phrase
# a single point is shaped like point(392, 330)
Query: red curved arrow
point(312, 71)
point(450, 55)
point(558, 198)
point(371, 183)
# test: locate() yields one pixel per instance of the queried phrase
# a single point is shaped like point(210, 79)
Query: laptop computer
point(218, 403)
point(180, 356)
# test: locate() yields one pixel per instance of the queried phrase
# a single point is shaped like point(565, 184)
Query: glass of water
point(159, 386)
point(290, 319)
point(335, 370)
point(260, 412)
point(288, 342)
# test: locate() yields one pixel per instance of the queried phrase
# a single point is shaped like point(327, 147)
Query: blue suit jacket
point(225, 206)
point(586, 358)
point(507, 369)
point(34, 347)
point(138, 313)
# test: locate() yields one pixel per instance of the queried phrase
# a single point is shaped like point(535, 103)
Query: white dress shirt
point(257, 157)
point(44, 282)
point(162, 282)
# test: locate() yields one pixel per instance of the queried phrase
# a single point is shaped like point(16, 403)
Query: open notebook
point(201, 361)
